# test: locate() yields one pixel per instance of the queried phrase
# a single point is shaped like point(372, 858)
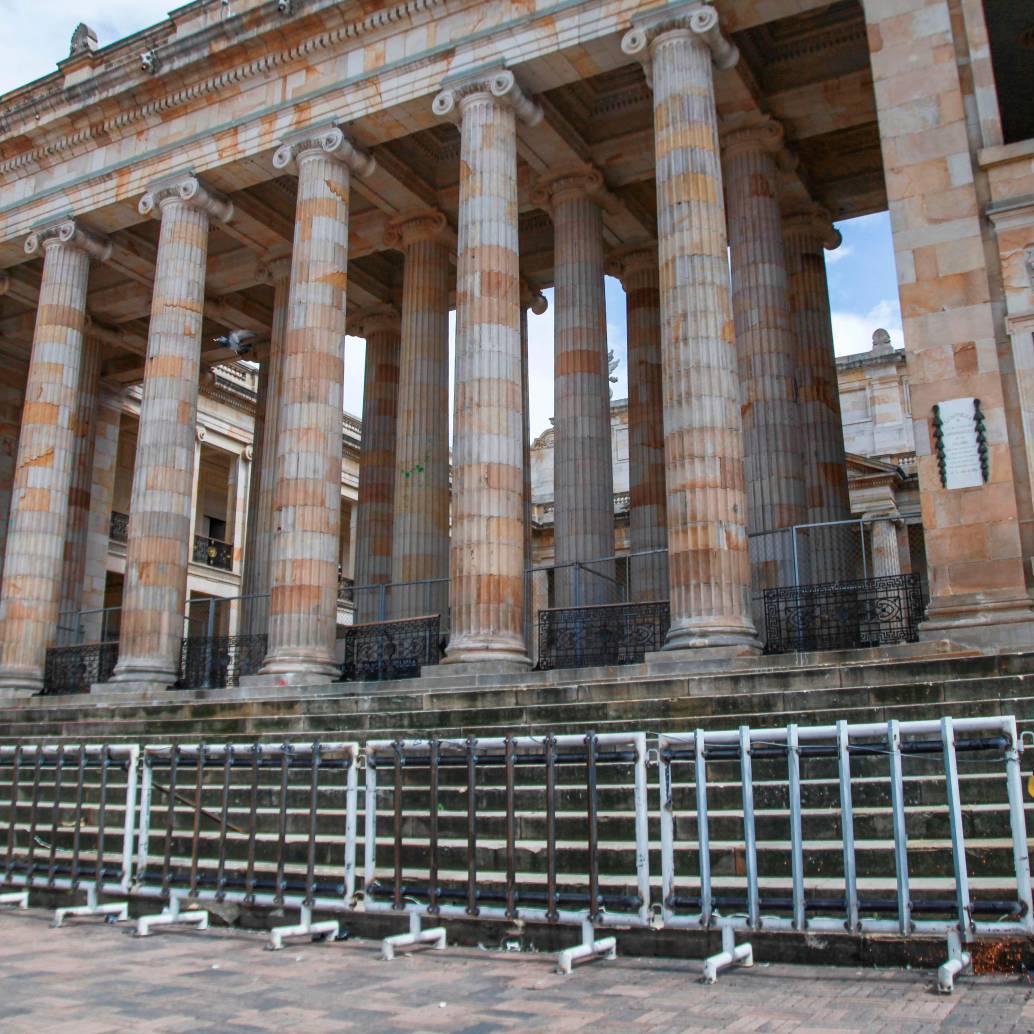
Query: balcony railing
point(213, 552)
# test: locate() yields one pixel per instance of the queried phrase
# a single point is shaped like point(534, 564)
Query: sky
point(35, 35)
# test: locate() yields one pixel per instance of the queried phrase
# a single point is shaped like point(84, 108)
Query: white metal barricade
point(70, 813)
point(223, 822)
point(514, 896)
point(807, 909)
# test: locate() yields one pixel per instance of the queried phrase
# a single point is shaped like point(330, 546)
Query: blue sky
point(862, 283)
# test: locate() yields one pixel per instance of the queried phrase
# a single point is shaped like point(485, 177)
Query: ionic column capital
point(386, 318)
point(815, 226)
point(640, 257)
point(697, 20)
point(500, 84)
point(573, 182)
point(275, 270)
point(532, 298)
point(323, 141)
point(72, 234)
point(764, 135)
point(410, 227)
point(189, 190)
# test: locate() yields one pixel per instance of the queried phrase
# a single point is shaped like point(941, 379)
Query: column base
point(289, 679)
point(987, 624)
point(17, 683)
point(701, 653)
point(509, 657)
point(726, 640)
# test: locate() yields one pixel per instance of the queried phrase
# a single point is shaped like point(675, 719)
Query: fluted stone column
point(420, 548)
point(34, 557)
point(583, 471)
point(307, 496)
point(487, 545)
point(259, 534)
point(806, 234)
point(708, 568)
point(160, 542)
point(886, 558)
point(536, 302)
point(85, 425)
point(373, 555)
point(98, 532)
point(774, 462)
point(636, 267)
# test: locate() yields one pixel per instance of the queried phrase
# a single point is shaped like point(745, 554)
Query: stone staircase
point(938, 682)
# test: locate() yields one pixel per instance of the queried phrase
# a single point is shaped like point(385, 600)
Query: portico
point(372, 170)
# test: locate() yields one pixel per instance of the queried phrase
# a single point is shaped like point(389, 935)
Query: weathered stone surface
point(35, 550)
point(420, 537)
point(708, 567)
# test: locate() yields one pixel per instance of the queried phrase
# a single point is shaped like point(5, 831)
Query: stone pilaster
point(487, 544)
point(35, 550)
point(375, 509)
point(259, 534)
point(583, 479)
point(883, 536)
point(307, 496)
point(708, 568)
point(806, 234)
point(636, 267)
point(160, 519)
point(85, 424)
point(774, 463)
point(420, 548)
point(98, 531)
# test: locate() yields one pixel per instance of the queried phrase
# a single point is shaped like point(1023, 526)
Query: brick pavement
point(91, 978)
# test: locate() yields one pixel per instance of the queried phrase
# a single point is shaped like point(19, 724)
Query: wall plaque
point(961, 443)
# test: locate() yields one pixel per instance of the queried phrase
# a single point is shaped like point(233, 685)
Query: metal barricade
point(749, 893)
point(70, 815)
point(249, 823)
point(552, 879)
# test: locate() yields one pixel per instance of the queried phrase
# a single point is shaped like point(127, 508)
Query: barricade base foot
point(114, 912)
point(304, 927)
point(15, 899)
point(732, 954)
point(416, 938)
point(958, 960)
point(604, 948)
point(172, 916)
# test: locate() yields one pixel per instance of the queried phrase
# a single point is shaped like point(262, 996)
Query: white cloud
point(845, 251)
point(852, 331)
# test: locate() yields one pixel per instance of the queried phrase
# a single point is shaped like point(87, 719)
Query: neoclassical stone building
point(294, 168)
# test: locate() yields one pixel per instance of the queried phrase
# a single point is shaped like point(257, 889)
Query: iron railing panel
point(74, 669)
point(843, 615)
point(390, 649)
point(600, 636)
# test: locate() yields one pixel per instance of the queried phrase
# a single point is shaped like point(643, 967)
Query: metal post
point(1018, 825)
point(847, 828)
point(958, 840)
point(897, 797)
point(793, 758)
point(749, 837)
point(703, 839)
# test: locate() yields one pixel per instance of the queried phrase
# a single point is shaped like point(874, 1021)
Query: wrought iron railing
point(843, 615)
point(212, 662)
point(119, 528)
point(73, 669)
point(391, 649)
point(611, 633)
point(213, 552)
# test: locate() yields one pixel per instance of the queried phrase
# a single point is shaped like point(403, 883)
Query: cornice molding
point(386, 19)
